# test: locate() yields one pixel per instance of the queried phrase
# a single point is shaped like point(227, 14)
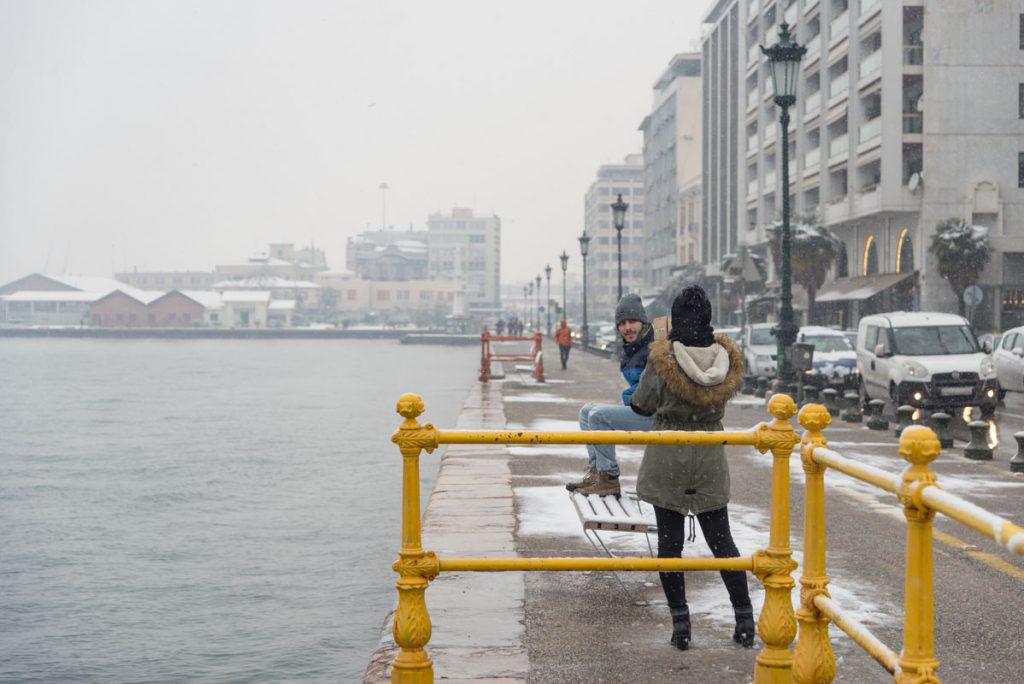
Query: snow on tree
point(813, 250)
point(962, 251)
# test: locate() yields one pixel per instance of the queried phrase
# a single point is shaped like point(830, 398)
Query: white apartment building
point(672, 163)
point(904, 117)
point(462, 241)
point(612, 180)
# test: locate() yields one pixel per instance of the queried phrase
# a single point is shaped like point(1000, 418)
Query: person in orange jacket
point(563, 336)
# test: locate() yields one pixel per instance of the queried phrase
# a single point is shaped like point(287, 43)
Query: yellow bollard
point(414, 567)
point(918, 446)
point(774, 566)
point(813, 660)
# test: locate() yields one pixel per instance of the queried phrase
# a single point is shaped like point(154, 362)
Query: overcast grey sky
point(172, 135)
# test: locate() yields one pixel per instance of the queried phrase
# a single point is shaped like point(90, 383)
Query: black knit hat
point(691, 318)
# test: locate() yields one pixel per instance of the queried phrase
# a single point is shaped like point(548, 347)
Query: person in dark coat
point(690, 377)
point(602, 476)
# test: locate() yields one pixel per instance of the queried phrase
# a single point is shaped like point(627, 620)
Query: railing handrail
point(751, 437)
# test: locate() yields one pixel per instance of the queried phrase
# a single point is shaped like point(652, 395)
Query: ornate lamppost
point(565, 265)
point(528, 305)
point(536, 306)
point(547, 304)
point(784, 65)
point(584, 248)
point(619, 220)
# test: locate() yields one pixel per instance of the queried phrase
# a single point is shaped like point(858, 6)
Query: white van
point(760, 349)
point(927, 360)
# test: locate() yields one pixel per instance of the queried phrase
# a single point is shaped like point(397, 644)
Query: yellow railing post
point(918, 446)
point(415, 567)
point(774, 566)
point(813, 660)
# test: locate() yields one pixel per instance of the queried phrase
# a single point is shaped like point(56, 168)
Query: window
point(1021, 22)
point(172, 316)
point(871, 338)
point(483, 238)
point(152, 318)
point(1008, 340)
point(425, 295)
point(351, 295)
point(1020, 100)
point(187, 317)
point(383, 295)
point(120, 318)
point(1020, 169)
point(402, 295)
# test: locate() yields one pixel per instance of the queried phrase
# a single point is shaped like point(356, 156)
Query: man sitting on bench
point(602, 476)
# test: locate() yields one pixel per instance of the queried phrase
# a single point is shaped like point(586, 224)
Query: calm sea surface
point(222, 510)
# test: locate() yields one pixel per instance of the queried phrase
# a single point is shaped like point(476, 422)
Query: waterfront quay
point(508, 501)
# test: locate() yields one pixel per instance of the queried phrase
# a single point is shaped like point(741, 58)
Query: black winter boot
point(744, 634)
point(681, 628)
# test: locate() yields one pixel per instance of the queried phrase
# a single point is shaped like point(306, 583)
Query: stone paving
point(569, 627)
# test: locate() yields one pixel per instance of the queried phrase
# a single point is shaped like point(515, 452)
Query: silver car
point(1008, 355)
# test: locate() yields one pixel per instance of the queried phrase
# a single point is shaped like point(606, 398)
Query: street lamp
point(529, 305)
point(526, 303)
point(547, 304)
point(784, 65)
point(537, 305)
point(619, 220)
point(584, 248)
point(565, 265)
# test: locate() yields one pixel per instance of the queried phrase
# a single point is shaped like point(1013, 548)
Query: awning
point(860, 288)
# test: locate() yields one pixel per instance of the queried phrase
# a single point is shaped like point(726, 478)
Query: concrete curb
point(477, 618)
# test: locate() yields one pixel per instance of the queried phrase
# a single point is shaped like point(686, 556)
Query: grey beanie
point(630, 308)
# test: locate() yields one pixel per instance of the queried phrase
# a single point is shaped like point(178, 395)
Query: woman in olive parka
point(688, 380)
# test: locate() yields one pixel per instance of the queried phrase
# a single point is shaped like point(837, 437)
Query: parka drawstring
point(692, 537)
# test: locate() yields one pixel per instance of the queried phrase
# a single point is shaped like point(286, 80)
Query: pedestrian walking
point(563, 337)
point(499, 327)
point(688, 380)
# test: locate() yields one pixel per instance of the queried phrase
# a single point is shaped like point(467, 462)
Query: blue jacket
point(633, 360)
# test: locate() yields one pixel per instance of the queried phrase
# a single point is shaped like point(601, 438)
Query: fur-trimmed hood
point(664, 362)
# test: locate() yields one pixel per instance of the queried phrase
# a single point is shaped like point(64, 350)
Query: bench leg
point(638, 599)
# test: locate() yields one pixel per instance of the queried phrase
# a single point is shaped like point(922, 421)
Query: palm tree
point(813, 250)
point(962, 250)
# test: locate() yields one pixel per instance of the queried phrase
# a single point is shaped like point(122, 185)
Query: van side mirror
point(1018, 351)
point(880, 351)
point(986, 346)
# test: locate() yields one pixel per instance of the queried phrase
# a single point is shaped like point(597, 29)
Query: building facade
point(168, 280)
point(462, 246)
point(626, 179)
point(884, 142)
point(672, 161)
point(388, 255)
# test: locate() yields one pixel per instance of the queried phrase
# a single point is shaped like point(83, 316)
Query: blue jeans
point(609, 417)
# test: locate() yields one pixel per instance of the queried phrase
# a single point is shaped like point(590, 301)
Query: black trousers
point(563, 350)
point(715, 527)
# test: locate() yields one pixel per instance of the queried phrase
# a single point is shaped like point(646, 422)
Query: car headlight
point(988, 369)
point(914, 369)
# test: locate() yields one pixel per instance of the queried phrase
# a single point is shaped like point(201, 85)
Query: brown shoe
point(588, 478)
point(604, 485)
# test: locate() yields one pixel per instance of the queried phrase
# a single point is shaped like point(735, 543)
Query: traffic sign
point(973, 296)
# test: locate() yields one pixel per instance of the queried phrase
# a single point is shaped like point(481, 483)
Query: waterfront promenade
point(566, 627)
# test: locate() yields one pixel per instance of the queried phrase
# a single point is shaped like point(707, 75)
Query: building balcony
point(812, 160)
point(836, 211)
point(868, 200)
point(869, 135)
point(812, 104)
point(791, 168)
point(752, 189)
point(752, 145)
point(838, 149)
point(913, 55)
point(753, 9)
point(913, 122)
point(771, 131)
point(838, 90)
point(868, 9)
point(769, 183)
point(753, 56)
point(839, 28)
point(810, 6)
point(752, 99)
point(870, 69)
point(813, 50)
point(790, 16)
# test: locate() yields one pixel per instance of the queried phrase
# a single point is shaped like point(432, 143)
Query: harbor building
point(462, 245)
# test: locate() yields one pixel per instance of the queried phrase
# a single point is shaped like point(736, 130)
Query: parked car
point(760, 349)
point(835, 359)
point(1008, 357)
point(928, 360)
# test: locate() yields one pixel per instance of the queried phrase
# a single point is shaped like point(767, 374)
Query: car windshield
point(761, 337)
point(828, 343)
point(935, 340)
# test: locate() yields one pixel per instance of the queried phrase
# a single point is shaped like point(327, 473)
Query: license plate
point(956, 391)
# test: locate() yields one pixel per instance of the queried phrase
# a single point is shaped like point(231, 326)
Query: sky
point(178, 135)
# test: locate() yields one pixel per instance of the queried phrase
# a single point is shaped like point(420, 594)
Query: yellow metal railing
point(919, 493)
point(813, 660)
point(774, 566)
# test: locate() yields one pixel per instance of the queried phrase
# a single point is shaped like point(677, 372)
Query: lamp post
point(565, 265)
point(584, 248)
point(547, 304)
point(526, 306)
point(538, 303)
point(529, 305)
point(619, 219)
point(784, 64)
